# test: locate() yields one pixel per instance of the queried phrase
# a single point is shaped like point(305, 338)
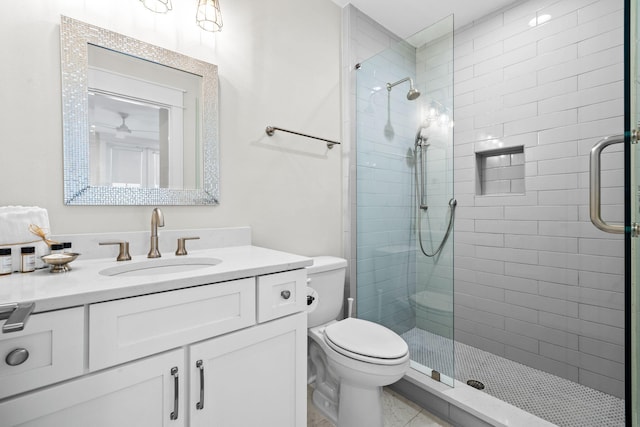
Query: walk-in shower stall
point(471, 226)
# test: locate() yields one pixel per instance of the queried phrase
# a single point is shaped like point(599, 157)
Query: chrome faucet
point(157, 220)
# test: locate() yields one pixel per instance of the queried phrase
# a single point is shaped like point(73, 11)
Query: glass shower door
point(404, 174)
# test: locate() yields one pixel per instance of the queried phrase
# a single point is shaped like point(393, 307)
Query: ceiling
point(406, 17)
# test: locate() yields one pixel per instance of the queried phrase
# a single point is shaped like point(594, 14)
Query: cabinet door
point(137, 394)
point(254, 377)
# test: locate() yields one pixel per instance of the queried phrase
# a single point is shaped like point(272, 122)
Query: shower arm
point(390, 85)
point(413, 92)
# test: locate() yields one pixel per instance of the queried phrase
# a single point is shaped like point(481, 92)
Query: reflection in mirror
point(133, 123)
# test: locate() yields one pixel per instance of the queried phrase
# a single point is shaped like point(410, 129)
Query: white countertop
point(84, 285)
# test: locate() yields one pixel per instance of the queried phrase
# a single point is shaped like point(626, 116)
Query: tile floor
point(398, 412)
point(557, 400)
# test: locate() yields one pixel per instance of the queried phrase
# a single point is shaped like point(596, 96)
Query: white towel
point(14, 231)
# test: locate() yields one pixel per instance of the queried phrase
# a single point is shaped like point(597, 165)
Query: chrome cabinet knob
point(285, 294)
point(17, 357)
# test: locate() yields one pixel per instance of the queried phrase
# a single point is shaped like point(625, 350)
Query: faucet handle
point(182, 249)
point(123, 254)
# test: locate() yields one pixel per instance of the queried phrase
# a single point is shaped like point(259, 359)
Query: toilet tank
point(326, 277)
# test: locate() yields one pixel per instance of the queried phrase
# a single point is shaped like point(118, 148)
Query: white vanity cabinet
point(140, 393)
point(224, 354)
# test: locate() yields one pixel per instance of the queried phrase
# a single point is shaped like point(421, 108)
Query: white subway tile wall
point(535, 281)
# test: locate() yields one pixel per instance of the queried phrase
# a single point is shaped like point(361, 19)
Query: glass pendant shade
point(158, 6)
point(208, 15)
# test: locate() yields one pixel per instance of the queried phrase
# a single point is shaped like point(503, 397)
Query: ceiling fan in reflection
point(123, 130)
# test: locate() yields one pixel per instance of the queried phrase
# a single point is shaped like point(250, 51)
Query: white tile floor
point(557, 400)
point(398, 412)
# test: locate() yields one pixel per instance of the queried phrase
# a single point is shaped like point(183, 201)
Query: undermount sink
point(160, 266)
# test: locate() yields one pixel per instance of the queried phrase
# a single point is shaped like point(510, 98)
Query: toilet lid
point(366, 338)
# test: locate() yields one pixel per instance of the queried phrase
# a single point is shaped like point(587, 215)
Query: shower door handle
point(594, 185)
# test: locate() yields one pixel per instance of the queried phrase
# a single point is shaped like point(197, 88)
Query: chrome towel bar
point(271, 129)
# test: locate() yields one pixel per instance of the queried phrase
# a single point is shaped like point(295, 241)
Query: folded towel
point(15, 225)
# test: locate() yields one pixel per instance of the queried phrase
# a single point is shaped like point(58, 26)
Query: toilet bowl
point(349, 360)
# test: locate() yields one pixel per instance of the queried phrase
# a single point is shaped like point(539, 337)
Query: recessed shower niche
point(500, 171)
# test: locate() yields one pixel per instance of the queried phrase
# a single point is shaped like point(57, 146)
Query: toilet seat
point(366, 341)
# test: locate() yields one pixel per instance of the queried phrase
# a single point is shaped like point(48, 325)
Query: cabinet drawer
point(281, 294)
point(131, 328)
point(55, 345)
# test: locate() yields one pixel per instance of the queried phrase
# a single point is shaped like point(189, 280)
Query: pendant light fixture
point(158, 6)
point(208, 15)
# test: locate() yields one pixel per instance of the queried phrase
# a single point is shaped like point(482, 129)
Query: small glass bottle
point(66, 247)
point(56, 248)
point(28, 259)
point(5, 261)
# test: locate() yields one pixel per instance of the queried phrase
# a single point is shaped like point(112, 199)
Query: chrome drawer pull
point(200, 366)
point(17, 320)
point(285, 294)
point(17, 357)
point(174, 372)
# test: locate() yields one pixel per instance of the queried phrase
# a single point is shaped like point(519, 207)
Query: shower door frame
point(632, 267)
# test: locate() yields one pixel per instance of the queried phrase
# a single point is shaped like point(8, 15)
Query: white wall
point(279, 64)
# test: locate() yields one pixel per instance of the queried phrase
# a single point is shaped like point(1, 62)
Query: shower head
point(413, 92)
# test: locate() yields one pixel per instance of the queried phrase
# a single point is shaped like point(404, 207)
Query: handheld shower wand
point(421, 145)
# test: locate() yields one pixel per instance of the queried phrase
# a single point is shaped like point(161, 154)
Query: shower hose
point(452, 210)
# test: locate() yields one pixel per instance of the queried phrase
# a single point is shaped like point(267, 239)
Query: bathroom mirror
point(140, 123)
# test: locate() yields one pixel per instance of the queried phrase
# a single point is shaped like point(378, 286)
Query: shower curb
point(463, 405)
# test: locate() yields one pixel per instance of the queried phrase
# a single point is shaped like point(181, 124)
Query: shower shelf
point(270, 130)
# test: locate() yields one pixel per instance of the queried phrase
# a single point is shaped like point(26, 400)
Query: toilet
point(351, 359)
